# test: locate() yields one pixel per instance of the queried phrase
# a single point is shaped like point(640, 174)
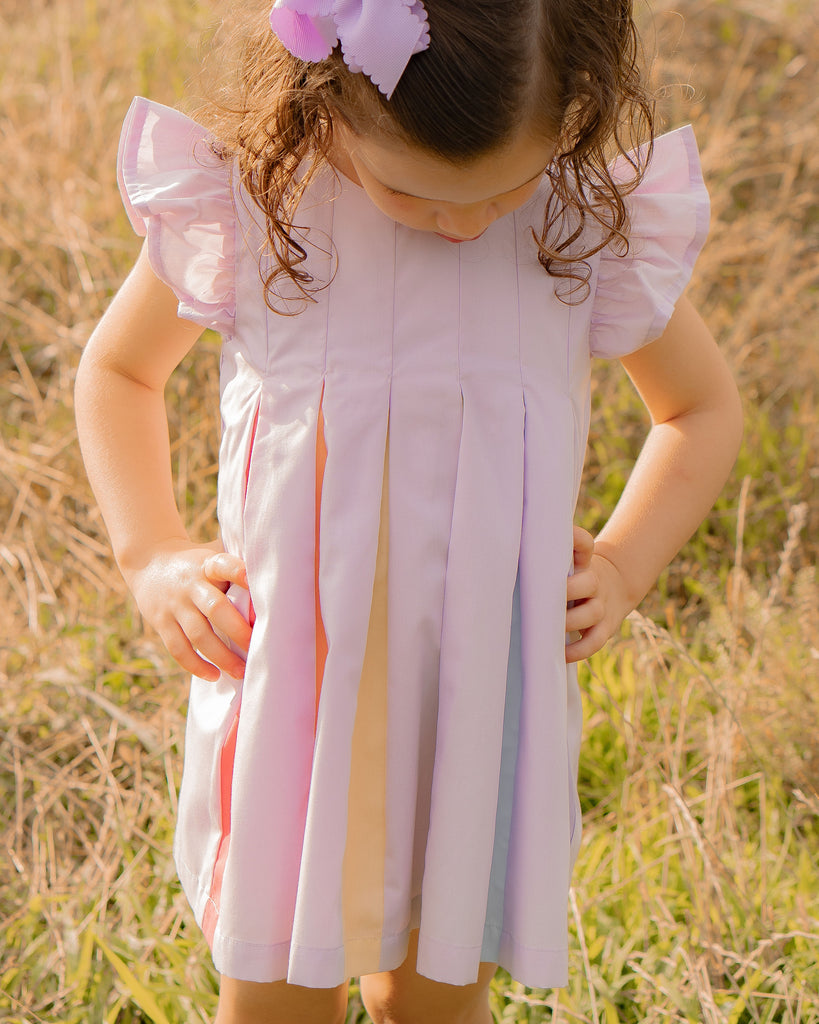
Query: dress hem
point(438, 960)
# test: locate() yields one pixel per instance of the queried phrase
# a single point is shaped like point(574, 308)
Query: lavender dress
point(399, 468)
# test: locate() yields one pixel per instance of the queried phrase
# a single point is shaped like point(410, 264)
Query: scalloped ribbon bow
point(378, 37)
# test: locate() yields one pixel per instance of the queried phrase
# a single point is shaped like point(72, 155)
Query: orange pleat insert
point(321, 636)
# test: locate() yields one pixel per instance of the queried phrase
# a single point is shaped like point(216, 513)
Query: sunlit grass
point(695, 895)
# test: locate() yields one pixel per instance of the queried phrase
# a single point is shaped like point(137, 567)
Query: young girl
point(407, 228)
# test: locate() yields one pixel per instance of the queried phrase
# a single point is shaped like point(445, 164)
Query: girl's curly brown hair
point(564, 69)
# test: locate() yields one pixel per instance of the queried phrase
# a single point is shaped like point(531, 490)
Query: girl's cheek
point(517, 199)
point(391, 206)
point(405, 210)
point(408, 213)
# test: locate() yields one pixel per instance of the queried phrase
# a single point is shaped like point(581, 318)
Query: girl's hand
point(181, 592)
point(596, 599)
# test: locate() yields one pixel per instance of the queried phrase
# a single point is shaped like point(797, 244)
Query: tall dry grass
point(696, 893)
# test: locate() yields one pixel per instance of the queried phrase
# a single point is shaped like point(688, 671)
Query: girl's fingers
point(583, 544)
point(581, 586)
point(183, 594)
point(590, 642)
point(182, 651)
point(222, 615)
point(221, 570)
point(210, 649)
point(584, 616)
point(225, 568)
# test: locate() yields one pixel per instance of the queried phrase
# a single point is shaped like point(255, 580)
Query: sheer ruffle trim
point(178, 193)
point(636, 294)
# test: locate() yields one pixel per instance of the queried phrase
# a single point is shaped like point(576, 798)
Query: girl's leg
point(403, 996)
point(247, 1002)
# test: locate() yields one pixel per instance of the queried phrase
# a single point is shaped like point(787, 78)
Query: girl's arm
point(695, 435)
point(179, 586)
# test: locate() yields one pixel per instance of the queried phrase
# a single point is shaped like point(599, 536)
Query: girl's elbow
point(725, 412)
point(83, 380)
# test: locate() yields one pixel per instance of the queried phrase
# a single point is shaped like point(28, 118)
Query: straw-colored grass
point(696, 895)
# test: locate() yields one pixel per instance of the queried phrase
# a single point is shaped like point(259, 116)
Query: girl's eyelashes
point(519, 188)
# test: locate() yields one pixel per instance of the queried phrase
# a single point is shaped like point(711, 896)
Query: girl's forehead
point(416, 172)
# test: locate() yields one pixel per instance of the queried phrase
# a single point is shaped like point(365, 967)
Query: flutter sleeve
point(178, 193)
point(635, 294)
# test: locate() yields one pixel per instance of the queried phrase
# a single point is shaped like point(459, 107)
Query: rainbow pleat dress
point(400, 462)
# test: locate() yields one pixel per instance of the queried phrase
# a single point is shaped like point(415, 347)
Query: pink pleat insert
point(226, 759)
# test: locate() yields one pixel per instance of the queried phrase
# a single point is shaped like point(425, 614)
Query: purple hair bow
point(377, 37)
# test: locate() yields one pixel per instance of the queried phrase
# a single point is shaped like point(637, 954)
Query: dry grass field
point(696, 897)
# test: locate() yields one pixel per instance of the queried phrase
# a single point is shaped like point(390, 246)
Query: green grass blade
point(138, 992)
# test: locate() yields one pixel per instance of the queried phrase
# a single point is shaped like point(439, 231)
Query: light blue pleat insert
point(490, 950)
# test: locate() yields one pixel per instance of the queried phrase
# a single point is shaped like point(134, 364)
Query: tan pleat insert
point(364, 855)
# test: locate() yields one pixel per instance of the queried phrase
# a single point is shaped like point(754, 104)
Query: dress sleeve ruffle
point(178, 193)
point(636, 293)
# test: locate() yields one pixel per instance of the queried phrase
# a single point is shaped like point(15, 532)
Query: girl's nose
point(466, 221)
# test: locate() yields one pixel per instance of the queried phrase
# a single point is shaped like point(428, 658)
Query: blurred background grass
point(696, 895)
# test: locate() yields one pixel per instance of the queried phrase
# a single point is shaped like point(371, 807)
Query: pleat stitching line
point(394, 290)
point(515, 224)
point(579, 442)
point(236, 226)
point(328, 295)
point(460, 327)
point(460, 440)
point(517, 287)
point(569, 352)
